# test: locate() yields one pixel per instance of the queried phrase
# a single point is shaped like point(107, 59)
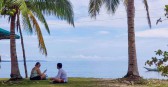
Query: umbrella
point(4, 34)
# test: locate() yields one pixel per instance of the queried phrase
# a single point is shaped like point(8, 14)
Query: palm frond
point(26, 23)
point(23, 8)
point(94, 7)
point(13, 3)
point(147, 12)
point(111, 5)
point(1, 4)
point(125, 3)
point(25, 18)
point(37, 13)
point(59, 8)
point(39, 33)
point(17, 21)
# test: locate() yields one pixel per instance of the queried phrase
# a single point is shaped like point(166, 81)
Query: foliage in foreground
point(160, 62)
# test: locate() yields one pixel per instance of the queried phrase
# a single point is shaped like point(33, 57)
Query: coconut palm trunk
point(132, 59)
point(15, 73)
point(22, 43)
point(23, 50)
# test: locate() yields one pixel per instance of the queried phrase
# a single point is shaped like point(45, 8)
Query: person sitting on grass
point(61, 76)
point(36, 73)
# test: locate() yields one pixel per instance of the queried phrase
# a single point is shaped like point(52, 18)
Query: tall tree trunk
point(22, 43)
point(15, 73)
point(0, 58)
point(23, 50)
point(132, 61)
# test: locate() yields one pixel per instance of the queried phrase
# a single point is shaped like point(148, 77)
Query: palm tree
point(29, 11)
point(22, 43)
point(111, 5)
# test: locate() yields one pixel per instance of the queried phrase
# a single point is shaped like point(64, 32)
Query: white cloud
point(103, 32)
point(154, 33)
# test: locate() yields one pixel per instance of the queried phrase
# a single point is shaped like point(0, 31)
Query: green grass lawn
point(84, 82)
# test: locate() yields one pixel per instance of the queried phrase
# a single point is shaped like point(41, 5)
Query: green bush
point(160, 61)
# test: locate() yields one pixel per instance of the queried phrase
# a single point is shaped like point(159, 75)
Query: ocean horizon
point(86, 69)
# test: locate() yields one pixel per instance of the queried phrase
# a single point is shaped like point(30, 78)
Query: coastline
point(26, 61)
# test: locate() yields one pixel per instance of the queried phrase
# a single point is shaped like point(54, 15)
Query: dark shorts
point(62, 81)
point(36, 78)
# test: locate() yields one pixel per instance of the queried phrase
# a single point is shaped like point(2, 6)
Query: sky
point(100, 39)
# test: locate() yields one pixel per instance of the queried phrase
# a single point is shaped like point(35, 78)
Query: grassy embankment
point(85, 82)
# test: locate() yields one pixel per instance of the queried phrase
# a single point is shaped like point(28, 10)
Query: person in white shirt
point(61, 76)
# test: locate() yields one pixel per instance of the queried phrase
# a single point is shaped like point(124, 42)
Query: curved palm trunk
point(0, 58)
point(132, 61)
point(0, 61)
point(23, 50)
point(15, 73)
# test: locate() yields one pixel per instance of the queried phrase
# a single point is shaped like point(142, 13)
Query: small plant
point(160, 61)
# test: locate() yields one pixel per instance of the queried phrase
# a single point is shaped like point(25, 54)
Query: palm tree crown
point(31, 10)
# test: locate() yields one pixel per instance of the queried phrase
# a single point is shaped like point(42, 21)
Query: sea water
point(87, 69)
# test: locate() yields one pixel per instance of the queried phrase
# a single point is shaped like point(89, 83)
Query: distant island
point(26, 61)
